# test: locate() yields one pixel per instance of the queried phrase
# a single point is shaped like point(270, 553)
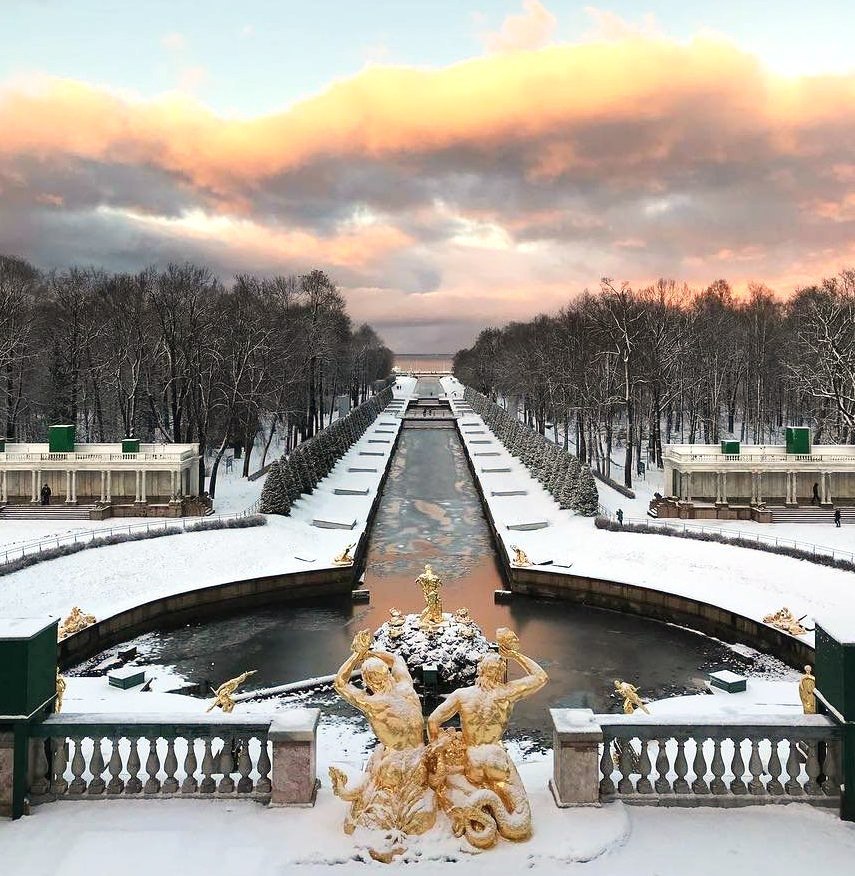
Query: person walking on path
point(45, 494)
point(815, 498)
point(837, 517)
point(619, 516)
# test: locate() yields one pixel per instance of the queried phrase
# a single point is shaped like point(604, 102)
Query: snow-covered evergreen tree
point(587, 495)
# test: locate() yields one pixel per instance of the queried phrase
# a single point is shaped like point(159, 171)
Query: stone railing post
point(576, 758)
point(294, 737)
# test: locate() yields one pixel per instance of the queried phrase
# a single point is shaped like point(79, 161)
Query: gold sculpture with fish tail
point(431, 584)
point(224, 692)
point(393, 798)
point(344, 558)
point(476, 782)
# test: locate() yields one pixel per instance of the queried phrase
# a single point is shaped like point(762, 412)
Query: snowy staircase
point(46, 512)
point(811, 514)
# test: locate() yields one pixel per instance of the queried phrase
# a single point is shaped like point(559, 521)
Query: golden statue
point(476, 782)
point(466, 626)
point(396, 623)
point(631, 699)
point(807, 688)
point(61, 685)
point(520, 556)
point(785, 620)
point(224, 692)
point(344, 558)
point(76, 621)
point(432, 615)
point(393, 798)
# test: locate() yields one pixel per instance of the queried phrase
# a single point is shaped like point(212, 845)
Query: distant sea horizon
point(424, 361)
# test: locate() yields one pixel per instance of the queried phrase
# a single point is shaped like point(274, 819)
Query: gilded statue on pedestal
point(431, 584)
point(476, 782)
point(224, 692)
point(520, 556)
point(785, 620)
point(393, 796)
point(344, 558)
point(61, 685)
point(807, 688)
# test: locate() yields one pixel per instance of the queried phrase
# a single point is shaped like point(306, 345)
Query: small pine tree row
point(566, 479)
point(300, 472)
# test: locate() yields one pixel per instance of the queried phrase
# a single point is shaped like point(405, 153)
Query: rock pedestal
point(295, 773)
point(576, 755)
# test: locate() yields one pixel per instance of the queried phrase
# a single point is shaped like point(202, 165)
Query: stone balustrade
point(723, 761)
point(94, 756)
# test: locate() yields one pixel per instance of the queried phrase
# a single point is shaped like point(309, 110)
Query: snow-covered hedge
point(782, 550)
point(301, 471)
point(569, 482)
point(122, 538)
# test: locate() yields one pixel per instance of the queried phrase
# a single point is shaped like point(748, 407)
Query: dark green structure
point(61, 439)
point(27, 693)
point(730, 447)
point(2, 445)
point(835, 678)
point(130, 445)
point(798, 439)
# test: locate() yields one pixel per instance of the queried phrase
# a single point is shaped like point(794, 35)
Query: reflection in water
point(430, 512)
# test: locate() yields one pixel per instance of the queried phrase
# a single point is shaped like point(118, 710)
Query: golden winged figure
point(224, 692)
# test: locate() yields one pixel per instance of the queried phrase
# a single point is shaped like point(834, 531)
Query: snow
point(748, 582)
point(111, 579)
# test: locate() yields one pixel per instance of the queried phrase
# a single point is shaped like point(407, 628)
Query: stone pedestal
point(576, 758)
point(294, 775)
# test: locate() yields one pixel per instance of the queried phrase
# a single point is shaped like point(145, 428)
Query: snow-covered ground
point(107, 580)
point(216, 837)
point(751, 583)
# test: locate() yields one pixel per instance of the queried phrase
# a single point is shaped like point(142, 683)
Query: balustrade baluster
point(208, 785)
point(794, 769)
point(830, 763)
point(170, 767)
point(663, 767)
point(699, 768)
point(114, 767)
point(41, 769)
point(263, 785)
point(681, 766)
point(96, 767)
point(134, 783)
point(226, 764)
point(190, 785)
point(59, 764)
point(644, 785)
point(812, 768)
point(717, 785)
point(737, 767)
point(78, 765)
point(244, 785)
point(755, 768)
point(625, 758)
point(152, 766)
point(774, 786)
point(607, 786)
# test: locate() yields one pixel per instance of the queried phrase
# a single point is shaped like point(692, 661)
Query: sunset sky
point(450, 163)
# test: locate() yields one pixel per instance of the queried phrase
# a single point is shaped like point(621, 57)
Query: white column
point(753, 487)
point(103, 482)
point(718, 488)
point(172, 480)
point(109, 486)
point(688, 486)
point(74, 485)
point(826, 498)
point(759, 487)
point(34, 478)
point(67, 486)
point(724, 487)
point(136, 485)
point(143, 485)
point(3, 489)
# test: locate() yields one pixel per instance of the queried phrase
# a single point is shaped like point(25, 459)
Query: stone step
point(46, 512)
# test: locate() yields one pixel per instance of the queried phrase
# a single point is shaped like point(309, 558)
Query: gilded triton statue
point(807, 688)
point(393, 796)
point(477, 783)
point(785, 620)
point(631, 699)
point(76, 621)
point(520, 556)
point(344, 558)
point(432, 615)
point(224, 692)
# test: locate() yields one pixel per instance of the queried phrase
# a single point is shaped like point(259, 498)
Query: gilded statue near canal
point(431, 584)
point(466, 774)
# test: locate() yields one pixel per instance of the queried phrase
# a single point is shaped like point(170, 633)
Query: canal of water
point(431, 512)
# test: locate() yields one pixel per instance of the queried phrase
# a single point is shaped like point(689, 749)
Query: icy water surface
point(430, 512)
